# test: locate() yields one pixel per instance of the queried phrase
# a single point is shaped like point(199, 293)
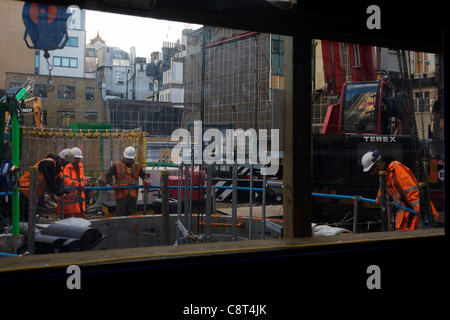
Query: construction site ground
point(49, 213)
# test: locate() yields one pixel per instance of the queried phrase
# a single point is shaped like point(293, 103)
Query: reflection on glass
point(360, 107)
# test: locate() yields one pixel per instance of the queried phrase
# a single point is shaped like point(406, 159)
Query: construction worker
point(48, 178)
point(73, 176)
point(126, 173)
point(401, 184)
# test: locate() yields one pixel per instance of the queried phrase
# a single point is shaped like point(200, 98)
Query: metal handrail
point(337, 196)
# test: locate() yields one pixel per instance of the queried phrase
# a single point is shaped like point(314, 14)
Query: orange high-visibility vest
point(41, 185)
point(127, 176)
point(402, 185)
point(73, 177)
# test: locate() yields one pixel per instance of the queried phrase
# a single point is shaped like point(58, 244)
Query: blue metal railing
point(314, 194)
point(337, 196)
point(159, 187)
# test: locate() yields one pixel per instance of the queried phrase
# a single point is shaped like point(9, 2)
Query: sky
point(123, 31)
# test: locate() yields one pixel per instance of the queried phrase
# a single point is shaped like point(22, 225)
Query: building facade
point(153, 117)
point(71, 97)
point(113, 73)
point(142, 87)
point(242, 71)
point(166, 74)
point(72, 100)
point(121, 75)
point(171, 89)
point(90, 65)
point(69, 61)
point(15, 55)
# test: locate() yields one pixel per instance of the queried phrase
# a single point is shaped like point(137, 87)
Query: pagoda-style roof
point(97, 38)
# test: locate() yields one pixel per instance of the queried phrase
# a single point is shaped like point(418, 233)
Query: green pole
point(16, 161)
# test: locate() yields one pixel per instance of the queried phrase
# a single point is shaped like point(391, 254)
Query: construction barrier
point(100, 149)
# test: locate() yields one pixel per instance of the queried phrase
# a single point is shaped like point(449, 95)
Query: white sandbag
point(75, 222)
point(323, 230)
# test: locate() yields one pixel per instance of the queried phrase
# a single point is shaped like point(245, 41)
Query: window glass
point(67, 92)
point(65, 62)
point(40, 90)
point(65, 118)
point(91, 116)
point(73, 63)
point(72, 42)
point(90, 93)
point(359, 107)
point(57, 61)
point(363, 101)
point(210, 103)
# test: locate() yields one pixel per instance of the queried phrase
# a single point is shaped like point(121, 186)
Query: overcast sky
point(123, 31)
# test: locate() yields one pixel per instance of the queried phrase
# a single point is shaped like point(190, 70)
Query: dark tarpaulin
point(46, 26)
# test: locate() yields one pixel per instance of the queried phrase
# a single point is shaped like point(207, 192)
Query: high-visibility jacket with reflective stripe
point(41, 185)
point(402, 185)
point(127, 176)
point(73, 177)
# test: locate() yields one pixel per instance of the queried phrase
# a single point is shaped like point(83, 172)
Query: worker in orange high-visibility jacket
point(401, 184)
point(126, 173)
point(48, 178)
point(73, 175)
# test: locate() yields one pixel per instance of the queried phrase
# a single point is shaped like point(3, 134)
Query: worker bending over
point(126, 173)
point(73, 176)
point(48, 178)
point(401, 184)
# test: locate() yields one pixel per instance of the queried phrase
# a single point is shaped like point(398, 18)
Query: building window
point(120, 78)
point(166, 77)
point(67, 92)
point(277, 57)
point(121, 63)
point(64, 118)
point(91, 116)
point(37, 57)
point(89, 93)
point(65, 62)
point(421, 62)
point(91, 52)
point(40, 90)
point(277, 46)
point(422, 101)
point(72, 42)
point(15, 84)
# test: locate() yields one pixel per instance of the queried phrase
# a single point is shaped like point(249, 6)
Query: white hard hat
point(77, 152)
point(369, 159)
point(129, 153)
point(67, 154)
